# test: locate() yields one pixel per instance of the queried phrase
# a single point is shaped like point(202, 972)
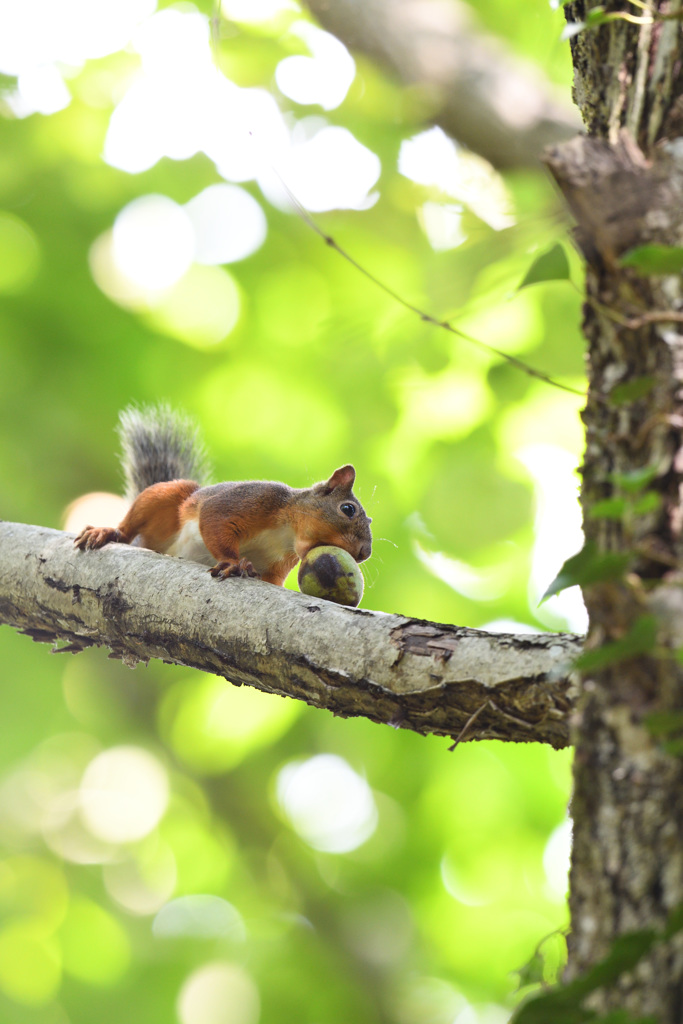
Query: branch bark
point(404, 672)
point(472, 86)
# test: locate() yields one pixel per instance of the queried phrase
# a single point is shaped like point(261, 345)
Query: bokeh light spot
point(253, 133)
point(556, 857)
point(110, 280)
point(256, 11)
point(417, 1000)
point(201, 309)
point(219, 993)
point(177, 100)
point(331, 170)
point(325, 77)
point(228, 223)
point(40, 90)
point(94, 945)
point(327, 803)
point(442, 224)
point(70, 31)
point(30, 969)
point(123, 794)
point(143, 883)
point(199, 917)
point(558, 531)
point(477, 584)
point(96, 507)
point(68, 835)
point(213, 725)
point(167, 113)
point(35, 37)
point(432, 158)
point(34, 887)
point(153, 242)
point(459, 888)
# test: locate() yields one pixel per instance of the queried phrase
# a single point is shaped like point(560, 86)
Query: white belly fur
point(263, 550)
point(189, 544)
point(268, 547)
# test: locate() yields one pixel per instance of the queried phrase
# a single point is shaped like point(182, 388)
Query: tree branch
point(475, 88)
point(408, 673)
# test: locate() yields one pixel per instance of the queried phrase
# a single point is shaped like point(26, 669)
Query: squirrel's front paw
point(243, 569)
point(95, 537)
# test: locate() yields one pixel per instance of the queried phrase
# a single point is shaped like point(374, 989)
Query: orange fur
point(252, 528)
point(154, 516)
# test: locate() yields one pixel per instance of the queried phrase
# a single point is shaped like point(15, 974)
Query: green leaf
point(552, 265)
point(654, 259)
point(668, 726)
point(664, 723)
point(648, 502)
point(588, 566)
point(563, 1004)
point(547, 960)
point(636, 479)
point(616, 508)
point(625, 953)
point(640, 639)
point(597, 16)
point(675, 923)
point(557, 1007)
point(531, 973)
point(610, 508)
point(631, 390)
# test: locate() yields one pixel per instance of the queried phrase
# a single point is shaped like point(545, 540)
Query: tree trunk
point(624, 182)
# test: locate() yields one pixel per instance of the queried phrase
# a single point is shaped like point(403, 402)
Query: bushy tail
point(159, 444)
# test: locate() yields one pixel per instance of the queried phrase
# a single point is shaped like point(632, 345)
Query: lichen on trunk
point(624, 184)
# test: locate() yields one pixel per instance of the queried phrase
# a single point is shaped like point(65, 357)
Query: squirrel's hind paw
point(92, 537)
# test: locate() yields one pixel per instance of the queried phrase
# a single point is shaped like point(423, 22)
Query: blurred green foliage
point(226, 901)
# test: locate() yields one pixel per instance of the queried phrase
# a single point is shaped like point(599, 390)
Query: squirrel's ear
point(342, 477)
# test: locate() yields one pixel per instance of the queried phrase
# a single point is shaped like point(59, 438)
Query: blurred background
point(172, 848)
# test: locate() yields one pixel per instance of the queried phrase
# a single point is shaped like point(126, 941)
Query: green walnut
point(331, 573)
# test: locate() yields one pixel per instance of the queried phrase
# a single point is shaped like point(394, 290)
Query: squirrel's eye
point(348, 509)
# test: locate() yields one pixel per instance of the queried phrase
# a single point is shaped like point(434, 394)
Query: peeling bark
point(423, 676)
point(624, 183)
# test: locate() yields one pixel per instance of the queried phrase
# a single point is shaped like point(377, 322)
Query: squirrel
point(246, 529)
